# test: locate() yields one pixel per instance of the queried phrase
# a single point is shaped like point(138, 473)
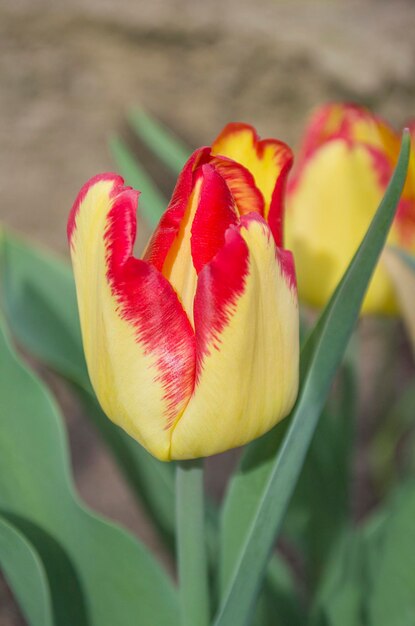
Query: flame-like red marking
point(145, 299)
point(117, 180)
point(283, 158)
point(241, 184)
point(169, 225)
point(277, 208)
point(221, 282)
point(214, 214)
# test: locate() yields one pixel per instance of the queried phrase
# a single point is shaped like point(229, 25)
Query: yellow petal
point(246, 321)
point(329, 209)
point(138, 342)
point(265, 159)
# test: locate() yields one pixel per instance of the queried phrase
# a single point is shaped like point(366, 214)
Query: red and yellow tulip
point(192, 349)
point(345, 163)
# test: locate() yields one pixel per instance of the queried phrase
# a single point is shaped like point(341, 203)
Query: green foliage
point(319, 509)
point(38, 296)
point(392, 598)
point(26, 575)
point(118, 582)
point(151, 203)
point(279, 473)
point(161, 141)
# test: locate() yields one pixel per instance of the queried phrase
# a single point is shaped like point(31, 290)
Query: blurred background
point(70, 70)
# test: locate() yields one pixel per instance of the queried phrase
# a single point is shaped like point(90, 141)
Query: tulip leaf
point(341, 597)
point(25, 574)
point(168, 148)
point(279, 604)
point(321, 356)
point(152, 203)
point(392, 598)
point(319, 508)
point(68, 602)
point(121, 582)
point(37, 293)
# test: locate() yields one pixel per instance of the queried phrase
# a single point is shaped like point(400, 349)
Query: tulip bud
point(345, 163)
point(192, 349)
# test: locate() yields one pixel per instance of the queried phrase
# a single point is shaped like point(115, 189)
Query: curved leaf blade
point(25, 574)
point(322, 354)
point(152, 202)
point(37, 293)
point(168, 148)
point(121, 582)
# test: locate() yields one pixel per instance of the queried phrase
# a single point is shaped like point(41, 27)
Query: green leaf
point(25, 574)
point(168, 148)
point(322, 354)
point(152, 203)
point(319, 508)
point(341, 597)
point(392, 598)
point(279, 604)
point(37, 293)
point(120, 581)
point(395, 429)
point(68, 602)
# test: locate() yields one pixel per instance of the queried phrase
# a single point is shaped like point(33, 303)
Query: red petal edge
point(118, 182)
point(169, 225)
point(214, 214)
point(221, 282)
point(149, 303)
point(145, 298)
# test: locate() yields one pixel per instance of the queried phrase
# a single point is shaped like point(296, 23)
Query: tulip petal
point(241, 183)
point(352, 123)
point(138, 342)
point(329, 210)
point(246, 323)
point(268, 160)
point(171, 221)
point(214, 214)
point(209, 213)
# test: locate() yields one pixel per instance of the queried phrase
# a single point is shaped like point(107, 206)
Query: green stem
point(191, 544)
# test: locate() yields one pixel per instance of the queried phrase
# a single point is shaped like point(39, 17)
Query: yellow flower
point(192, 349)
point(345, 163)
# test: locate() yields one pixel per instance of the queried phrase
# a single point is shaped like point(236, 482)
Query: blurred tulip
point(192, 349)
point(345, 163)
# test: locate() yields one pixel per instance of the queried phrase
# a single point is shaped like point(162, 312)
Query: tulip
point(345, 163)
point(192, 349)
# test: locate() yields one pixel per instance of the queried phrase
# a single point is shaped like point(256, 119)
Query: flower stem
point(191, 544)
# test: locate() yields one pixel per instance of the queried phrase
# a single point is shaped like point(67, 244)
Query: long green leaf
point(392, 598)
point(37, 294)
point(25, 574)
point(168, 148)
point(327, 347)
point(152, 203)
point(319, 508)
point(121, 582)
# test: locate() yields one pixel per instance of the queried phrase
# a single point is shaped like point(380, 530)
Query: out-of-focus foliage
point(98, 574)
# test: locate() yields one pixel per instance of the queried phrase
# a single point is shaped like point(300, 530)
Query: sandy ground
point(71, 69)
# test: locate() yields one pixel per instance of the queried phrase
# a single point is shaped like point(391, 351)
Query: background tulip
point(345, 163)
point(192, 349)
